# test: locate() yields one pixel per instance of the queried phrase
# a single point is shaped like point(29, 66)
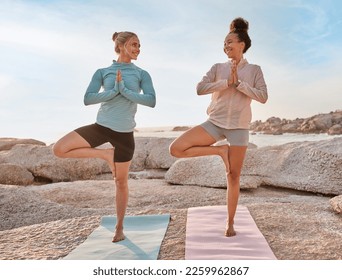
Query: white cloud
point(42, 41)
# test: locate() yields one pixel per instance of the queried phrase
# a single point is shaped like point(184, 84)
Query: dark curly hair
point(239, 26)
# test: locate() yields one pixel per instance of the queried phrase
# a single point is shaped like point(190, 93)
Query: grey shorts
point(235, 137)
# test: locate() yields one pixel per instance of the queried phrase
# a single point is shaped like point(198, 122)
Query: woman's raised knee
point(57, 150)
point(174, 150)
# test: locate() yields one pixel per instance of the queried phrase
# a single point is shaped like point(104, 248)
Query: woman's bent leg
point(197, 142)
point(73, 145)
point(236, 158)
point(121, 197)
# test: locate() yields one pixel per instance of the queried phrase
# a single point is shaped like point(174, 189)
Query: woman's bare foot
point(223, 152)
point(230, 231)
point(118, 235)
point(109, 157)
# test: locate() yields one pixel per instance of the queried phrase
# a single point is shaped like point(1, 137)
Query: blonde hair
point(120, 38)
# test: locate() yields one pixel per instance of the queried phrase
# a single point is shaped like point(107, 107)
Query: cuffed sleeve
point(208, 84)
point(259, 91)
point(147, 98)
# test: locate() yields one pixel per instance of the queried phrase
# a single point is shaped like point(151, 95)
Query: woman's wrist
point(230, 83)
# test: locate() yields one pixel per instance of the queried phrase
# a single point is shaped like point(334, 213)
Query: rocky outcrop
point(307, 166)
point(323, 123)
point(336, 204)
point(24, 164)
point(200, 171)
point(45, 167)
point(152, 153)
point(15, 174)
point(8, 143)
point(181, 128)
point(336, 129)
point(208, 171)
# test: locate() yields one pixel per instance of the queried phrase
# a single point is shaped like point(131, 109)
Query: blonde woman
point(232, 85)
point(117, 88)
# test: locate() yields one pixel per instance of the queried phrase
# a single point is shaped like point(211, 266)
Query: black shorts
point(96, 135)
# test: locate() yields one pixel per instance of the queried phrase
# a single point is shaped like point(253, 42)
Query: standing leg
point(197, 142)
point(73, 145)
point(121, 198)
point(236, 158)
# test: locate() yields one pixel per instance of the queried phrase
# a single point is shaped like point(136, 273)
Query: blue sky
point(50, 49)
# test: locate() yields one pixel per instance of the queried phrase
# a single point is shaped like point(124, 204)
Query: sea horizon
point(258, 138)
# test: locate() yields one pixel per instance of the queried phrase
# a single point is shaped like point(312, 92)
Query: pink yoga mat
point(205, 238)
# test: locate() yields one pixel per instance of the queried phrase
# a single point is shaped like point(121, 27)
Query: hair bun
point(115, 35)
point(239, 24)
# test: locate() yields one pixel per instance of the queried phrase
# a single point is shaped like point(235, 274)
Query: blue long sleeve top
point(119, 100)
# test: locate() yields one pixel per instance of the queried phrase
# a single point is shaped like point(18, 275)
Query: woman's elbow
point(264, 99)
point(200, 92)
point(86, 99)
point(150, 103)
point(86, 102)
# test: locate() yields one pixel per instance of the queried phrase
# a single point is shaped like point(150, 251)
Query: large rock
point(44, 166)
point(206, 171)
point(336, 203)
point(307, 166)
point(322, 123)
point(200, 171)
point(11, 174)
point(152, 153)
point(335, 129)
point(8, 143)
point(39, 161)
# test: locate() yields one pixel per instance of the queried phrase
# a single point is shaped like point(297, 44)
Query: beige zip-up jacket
point(230, 108)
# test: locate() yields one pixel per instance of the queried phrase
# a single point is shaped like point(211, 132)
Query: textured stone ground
point(48, 221)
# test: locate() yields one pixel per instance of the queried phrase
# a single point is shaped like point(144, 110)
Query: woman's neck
point(123, 59)
point(237, 59)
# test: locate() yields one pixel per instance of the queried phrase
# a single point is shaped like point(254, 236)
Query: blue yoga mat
point(144, 235)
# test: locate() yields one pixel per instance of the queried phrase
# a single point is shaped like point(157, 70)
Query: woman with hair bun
point(232, 85)
point(117, 88)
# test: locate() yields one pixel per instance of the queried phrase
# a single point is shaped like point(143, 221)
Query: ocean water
point(262, 140)
point(259, 139)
